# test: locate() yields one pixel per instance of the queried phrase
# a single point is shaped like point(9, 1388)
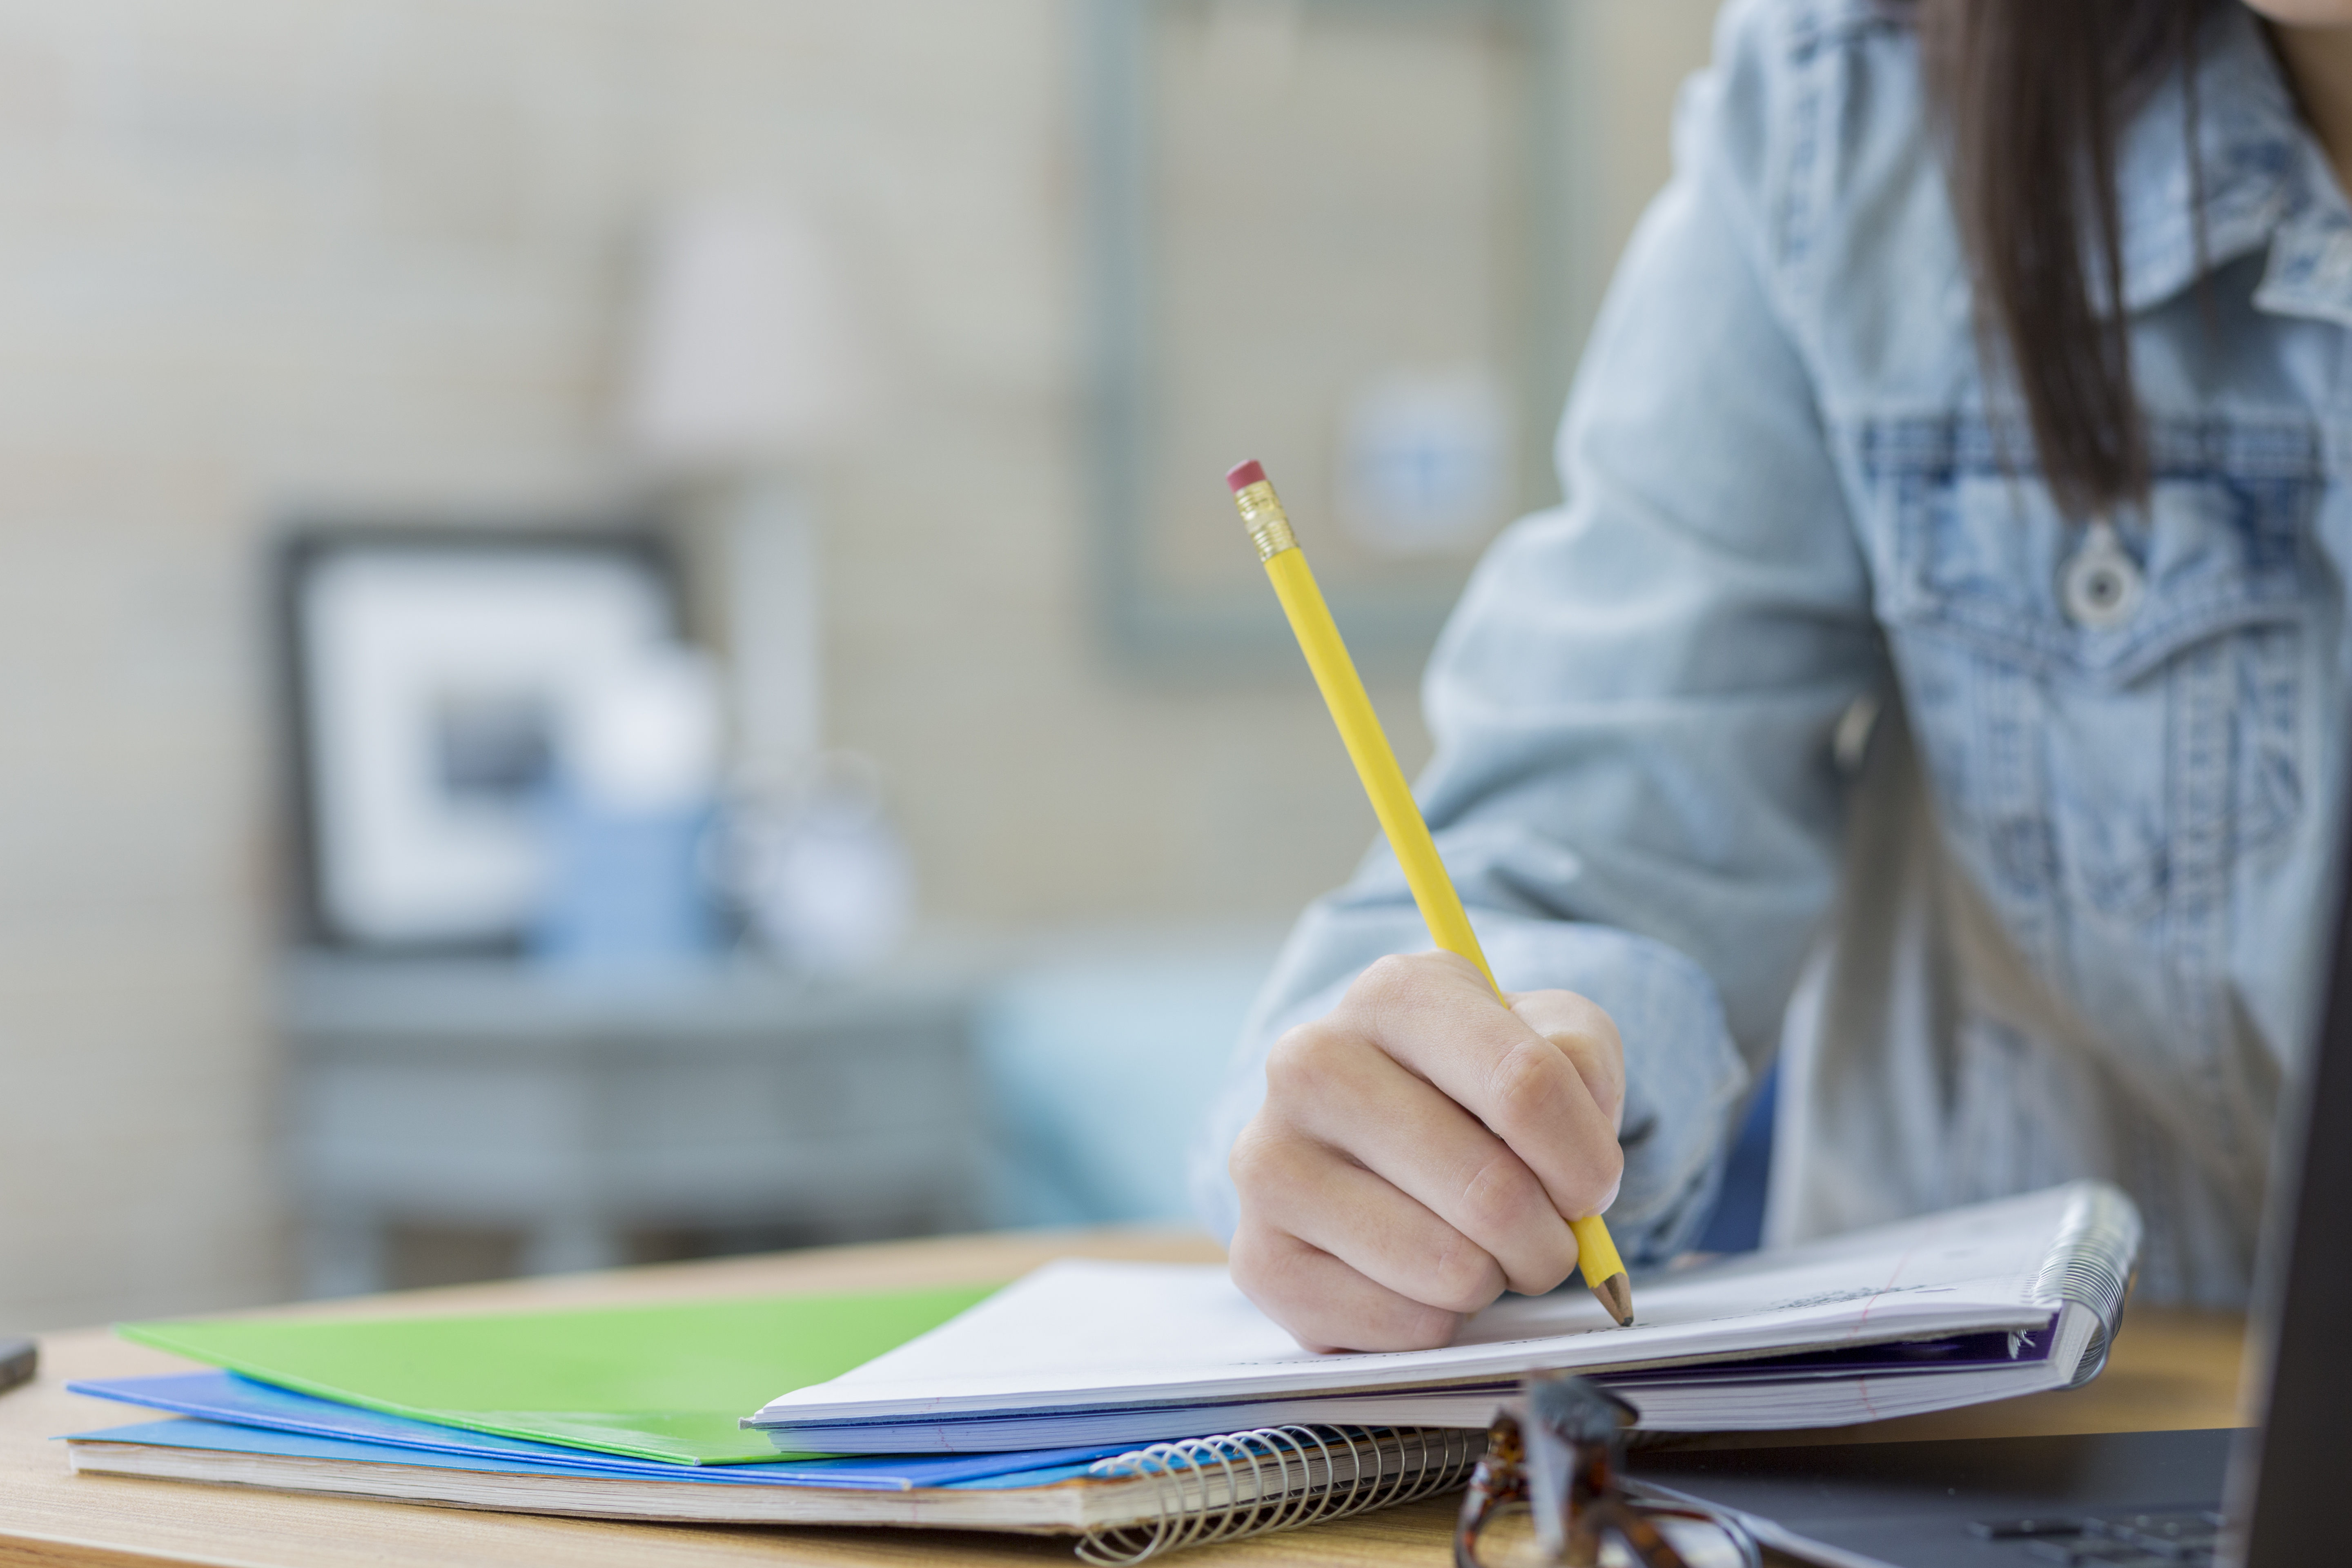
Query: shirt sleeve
point(1635, 701)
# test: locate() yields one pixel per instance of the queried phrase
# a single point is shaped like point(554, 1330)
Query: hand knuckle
point(1604, 1029)
point(1600, 1165)
point(1526, 1079)
point(1384, 982)
point(1588, 1017)
point(1245, 1260)
point(1304, 1059)
point(1461, 1276)
point(1260, 1159)
point(1548, 1276)
point(1498, 1196)
point(1260, 1271)
point(1262, 1262)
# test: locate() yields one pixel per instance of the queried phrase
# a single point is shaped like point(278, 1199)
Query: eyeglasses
point(1556, 1450)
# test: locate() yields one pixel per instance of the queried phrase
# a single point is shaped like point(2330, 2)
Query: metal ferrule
point(1269, 529)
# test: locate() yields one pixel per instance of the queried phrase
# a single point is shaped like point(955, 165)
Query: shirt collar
point(2266, 183)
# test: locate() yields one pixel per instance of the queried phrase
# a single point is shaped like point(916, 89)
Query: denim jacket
point(2057, 912)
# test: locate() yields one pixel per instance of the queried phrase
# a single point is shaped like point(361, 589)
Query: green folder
point(654, 1383)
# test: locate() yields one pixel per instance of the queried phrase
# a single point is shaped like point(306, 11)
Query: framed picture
point(426, 673)
point(1330, 235)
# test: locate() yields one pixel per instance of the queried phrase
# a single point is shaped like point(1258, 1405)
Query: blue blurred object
point(624, 813)
point(622, 888)
point(1098, 1072)
point(1738, 1224)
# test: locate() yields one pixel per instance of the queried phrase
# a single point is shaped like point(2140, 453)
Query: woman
point(1933, 680)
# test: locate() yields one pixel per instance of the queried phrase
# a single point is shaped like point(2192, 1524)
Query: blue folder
point(252, 1408)
point(188, 1432)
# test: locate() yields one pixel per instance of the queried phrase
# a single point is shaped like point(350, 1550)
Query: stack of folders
point(637, 1414)
point(1074, 1401)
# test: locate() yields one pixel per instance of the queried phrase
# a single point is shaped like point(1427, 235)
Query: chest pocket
point(2109, 715)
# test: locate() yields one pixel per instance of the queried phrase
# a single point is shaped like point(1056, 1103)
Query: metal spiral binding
point(1278, 1477)
point(2091, 1263)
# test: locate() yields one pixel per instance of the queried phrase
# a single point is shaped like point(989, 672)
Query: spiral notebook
point(1947, 1309)
point(1124, 1507)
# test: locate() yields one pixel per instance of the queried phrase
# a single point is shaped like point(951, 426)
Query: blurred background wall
point(261, 258)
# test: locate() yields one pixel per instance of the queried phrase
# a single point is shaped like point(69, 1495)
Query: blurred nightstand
point(493, 1095)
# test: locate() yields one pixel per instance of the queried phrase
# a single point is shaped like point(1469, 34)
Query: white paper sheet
point(1083, 1335)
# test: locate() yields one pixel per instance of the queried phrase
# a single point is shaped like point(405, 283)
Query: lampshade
point(746, 353)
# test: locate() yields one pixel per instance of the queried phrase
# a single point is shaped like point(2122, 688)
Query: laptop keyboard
point(2186, 1538)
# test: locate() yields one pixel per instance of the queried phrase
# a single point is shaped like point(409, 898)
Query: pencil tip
point(1617, 1297)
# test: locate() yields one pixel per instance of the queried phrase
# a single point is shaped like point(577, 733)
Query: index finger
point(1435, 1015)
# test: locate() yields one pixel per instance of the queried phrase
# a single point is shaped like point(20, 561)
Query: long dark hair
point(2030, 96)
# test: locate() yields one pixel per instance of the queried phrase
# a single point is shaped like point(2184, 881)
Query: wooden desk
point(2170, 1370)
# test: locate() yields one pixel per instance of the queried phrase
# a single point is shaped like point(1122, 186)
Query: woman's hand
point(1419, 1153)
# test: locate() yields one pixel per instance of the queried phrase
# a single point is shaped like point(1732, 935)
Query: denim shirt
point(2057, 912)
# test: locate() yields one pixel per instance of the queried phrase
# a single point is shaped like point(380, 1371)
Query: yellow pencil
point(1392, 802)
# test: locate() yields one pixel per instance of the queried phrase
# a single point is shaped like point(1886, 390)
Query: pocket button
point(2100, 584)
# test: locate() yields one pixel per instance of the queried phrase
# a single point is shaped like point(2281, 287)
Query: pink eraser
point(1243, 475)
